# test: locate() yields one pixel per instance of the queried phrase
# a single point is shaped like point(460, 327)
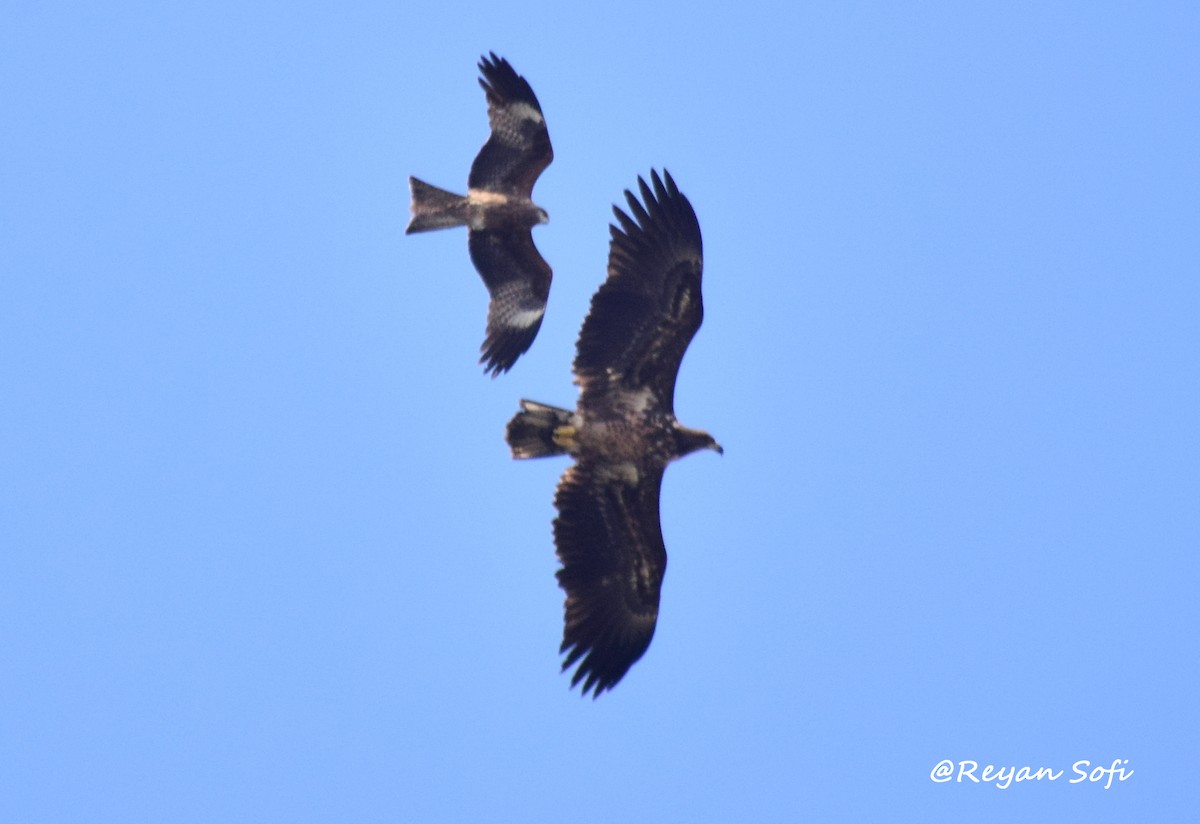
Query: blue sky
point(266, 557)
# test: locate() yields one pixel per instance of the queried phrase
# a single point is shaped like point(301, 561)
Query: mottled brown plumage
point(622, 434)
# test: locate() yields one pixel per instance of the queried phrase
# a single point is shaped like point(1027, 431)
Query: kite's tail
point(434, 208)
point(539, 430)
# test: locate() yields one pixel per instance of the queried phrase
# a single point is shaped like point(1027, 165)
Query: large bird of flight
point(622, 434)
point(499, 214)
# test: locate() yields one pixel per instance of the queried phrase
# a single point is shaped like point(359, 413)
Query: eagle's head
point(688, 441)
point(542, 216)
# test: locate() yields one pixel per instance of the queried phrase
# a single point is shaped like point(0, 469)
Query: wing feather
point(518, 149)
point(648, 310)
point(609, 540)
point(518, 279)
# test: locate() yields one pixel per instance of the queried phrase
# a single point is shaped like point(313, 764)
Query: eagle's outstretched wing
point(610, 542)
point(518, 280)
point(518, 149)
point(648, 310)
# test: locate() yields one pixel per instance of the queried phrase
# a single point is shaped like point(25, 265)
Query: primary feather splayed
point(622, 434)
point(499, 214)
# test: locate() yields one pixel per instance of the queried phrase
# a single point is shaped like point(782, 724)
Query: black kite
point(499, 213)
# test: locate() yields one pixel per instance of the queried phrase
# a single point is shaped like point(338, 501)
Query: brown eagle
point(622, 434)
point(499, 213)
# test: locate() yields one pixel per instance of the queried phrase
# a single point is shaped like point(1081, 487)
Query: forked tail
point(434, 208)
point(539, 430)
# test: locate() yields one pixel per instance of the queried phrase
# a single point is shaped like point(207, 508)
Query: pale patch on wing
point(641, 577)
point(524, 111)
point(622, 472)
point(639, 400)
point(523, 318)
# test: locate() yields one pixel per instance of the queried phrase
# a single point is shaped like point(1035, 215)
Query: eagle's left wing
point(646, 313)
point(518, 149)
point(518, 280)
point(609, 540)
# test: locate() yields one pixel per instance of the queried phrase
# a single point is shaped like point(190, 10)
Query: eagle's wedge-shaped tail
point(538, 430)
point(434, 208)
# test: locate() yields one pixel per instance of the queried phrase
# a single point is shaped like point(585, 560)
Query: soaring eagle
point(622, 434)
point(499, 213)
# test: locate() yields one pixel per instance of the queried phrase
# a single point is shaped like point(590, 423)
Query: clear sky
point(265, 556)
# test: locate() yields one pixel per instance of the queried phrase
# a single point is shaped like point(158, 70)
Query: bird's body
point(479, 210)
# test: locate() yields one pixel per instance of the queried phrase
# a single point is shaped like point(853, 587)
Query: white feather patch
point(640, 401)
point(524, 318)
point(525, 112)
point(626, 473)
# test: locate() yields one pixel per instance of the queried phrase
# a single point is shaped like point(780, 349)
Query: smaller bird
point(499, 214)
point(622, 434)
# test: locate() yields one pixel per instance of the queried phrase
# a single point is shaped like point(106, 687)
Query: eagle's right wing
point(609, 540)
